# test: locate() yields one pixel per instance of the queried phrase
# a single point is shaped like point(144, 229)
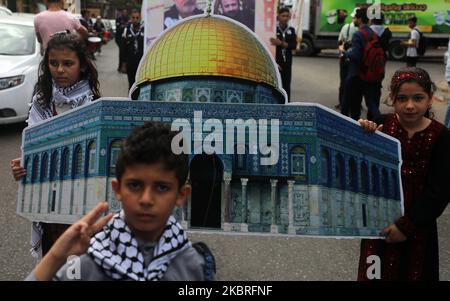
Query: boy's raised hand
point(74, 241)
point(370, 126)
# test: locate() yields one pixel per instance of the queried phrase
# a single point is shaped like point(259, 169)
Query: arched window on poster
point(35, 169)
point(364, 178)
point(385, 186)
point(44, 167)
point(77, 161)
point(325, 167)
point(375, 181)
point(54, 166)
point(91, 157)
point(353, 175)
point(114, 151)
point(298, 162)
point(65, 161)
point(340, 172)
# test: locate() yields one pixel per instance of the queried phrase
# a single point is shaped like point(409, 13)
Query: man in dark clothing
point(85, 20)
point(133, 37)
point(285, 42)
point(180, 10)
point(345, 39)
point(384, 36)
point(355, 88)
point(121, 24)
point(241, 12)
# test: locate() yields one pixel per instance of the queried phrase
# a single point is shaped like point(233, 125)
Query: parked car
point(4, 11)
point(19, 61)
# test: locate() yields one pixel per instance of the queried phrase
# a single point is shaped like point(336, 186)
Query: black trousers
point(343, 72)
point(120, 44)
point(354, 90)
point(131, 72)
point(411, 61)
point(286, 77)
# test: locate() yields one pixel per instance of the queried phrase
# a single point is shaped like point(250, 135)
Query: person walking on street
point(121, 24)
point(355, 86)
point(384, 36)
point(286, 42)
point(413, 43)
point(345, 39)
point(133, 37)
point(85, 20)
point(54, 20)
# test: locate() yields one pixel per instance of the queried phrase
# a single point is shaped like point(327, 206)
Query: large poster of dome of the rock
point(258, 16)
point(320, 175)
point(257, 165)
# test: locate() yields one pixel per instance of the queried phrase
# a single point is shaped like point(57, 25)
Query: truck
point(322, 20)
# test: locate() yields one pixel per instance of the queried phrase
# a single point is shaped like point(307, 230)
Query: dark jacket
point(284, 56)
point(355, 54)
point(133, 44)
point(121, 23)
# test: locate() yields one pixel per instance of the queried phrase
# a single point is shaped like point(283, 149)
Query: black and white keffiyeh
point(115, 250)
point(76, 95)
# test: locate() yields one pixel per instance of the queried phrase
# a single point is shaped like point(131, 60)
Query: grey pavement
point(239, 257)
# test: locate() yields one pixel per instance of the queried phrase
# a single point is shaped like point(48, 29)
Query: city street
point(238, 257)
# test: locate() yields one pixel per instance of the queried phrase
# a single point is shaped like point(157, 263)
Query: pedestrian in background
point(121, 24)
point(345, 40)
point(412, 43)
point(286, 42)
point(55, 19)
point(384, 36)
point(355, 87)
point(133, 39)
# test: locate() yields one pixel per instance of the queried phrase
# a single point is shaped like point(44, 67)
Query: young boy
point(143, 241)
point(286, 42)
point(133, 46)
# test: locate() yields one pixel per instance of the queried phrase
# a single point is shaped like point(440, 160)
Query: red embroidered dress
point(425, 157)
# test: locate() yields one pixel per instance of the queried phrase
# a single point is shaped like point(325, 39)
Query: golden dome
point(208, 46)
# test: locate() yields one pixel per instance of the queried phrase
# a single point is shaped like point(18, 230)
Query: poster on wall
point(258, 16)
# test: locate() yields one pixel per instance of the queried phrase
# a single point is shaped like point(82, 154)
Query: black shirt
point(284, 55)
point(134, 43)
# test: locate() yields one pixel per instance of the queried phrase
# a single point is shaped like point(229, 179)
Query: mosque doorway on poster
point(206, 173)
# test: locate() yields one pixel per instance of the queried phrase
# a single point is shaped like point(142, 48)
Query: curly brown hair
point(151, 143)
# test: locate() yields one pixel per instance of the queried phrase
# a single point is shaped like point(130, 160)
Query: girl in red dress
point(410, 248)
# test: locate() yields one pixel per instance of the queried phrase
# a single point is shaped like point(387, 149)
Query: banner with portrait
point(258, 16)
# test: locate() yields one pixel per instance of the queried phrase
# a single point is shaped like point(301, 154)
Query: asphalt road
point(239, 257)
